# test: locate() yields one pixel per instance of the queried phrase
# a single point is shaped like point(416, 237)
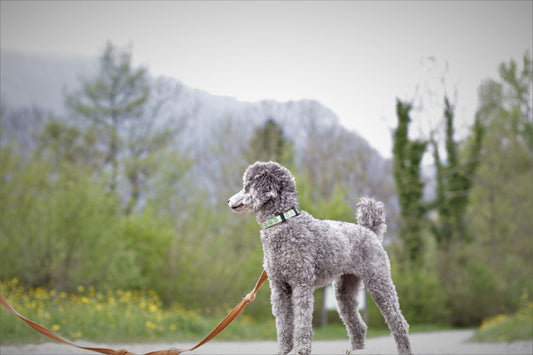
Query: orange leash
point(219, 328)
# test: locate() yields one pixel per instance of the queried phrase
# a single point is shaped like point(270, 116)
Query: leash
point(219, 328)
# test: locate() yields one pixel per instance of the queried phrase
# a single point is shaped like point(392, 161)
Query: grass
point(114, 316)
point(517, 326)
point(133, 315)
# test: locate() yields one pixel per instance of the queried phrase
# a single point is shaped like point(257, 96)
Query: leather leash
point(219, 328)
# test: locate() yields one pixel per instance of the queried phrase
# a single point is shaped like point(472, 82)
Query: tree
point(67, 148)
point(268, 143)
point(503, 193)
point(21, 127)
point(54, 224)
point(454, 181)
point(120, 107)
point(407, 156)
point(489, 274)
point(507, 151)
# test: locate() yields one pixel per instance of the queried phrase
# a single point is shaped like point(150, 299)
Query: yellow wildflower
point(150, 325)
point(490, 322)
point(76, 335)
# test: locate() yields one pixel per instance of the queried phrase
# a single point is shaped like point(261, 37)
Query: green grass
point(115, 316)
point(517, 326)
point(139, 316)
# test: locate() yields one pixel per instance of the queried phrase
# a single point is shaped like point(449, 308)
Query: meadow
point(140, 316)
point(115, 316)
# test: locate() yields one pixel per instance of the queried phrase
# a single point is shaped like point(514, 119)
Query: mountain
point(215, 130)
point(35, 80)
point(42, 81)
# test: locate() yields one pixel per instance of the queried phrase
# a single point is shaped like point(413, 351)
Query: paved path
point(447, 342)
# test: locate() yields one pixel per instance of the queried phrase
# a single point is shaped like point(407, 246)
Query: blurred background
point(126, 126)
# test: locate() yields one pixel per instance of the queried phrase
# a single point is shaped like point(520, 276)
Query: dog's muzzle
point(236, 203)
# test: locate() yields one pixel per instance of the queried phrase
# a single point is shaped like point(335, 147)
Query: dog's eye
point(247, 187)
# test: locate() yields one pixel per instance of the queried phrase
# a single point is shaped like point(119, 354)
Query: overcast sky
point(355, 57)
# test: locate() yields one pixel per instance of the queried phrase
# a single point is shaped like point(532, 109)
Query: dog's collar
point(282, 217)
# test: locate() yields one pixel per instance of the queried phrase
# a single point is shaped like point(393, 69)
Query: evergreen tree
point(110, 101)
point(268, 143)
point(407, 156)
point(116, 106)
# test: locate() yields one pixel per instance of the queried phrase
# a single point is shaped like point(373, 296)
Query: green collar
point(293, 212)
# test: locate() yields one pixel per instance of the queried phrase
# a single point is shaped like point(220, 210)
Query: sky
point(355, 57)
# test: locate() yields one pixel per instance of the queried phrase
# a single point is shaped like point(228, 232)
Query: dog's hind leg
point(282, 309)
point(383, 292)
point(346, 289)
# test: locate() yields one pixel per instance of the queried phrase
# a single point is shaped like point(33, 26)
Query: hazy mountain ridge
point(217, 129)
point(33, 80)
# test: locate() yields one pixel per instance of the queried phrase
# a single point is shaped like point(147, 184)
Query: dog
point(302, 253)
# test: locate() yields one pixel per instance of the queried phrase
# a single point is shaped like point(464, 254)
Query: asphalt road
point(447, 342)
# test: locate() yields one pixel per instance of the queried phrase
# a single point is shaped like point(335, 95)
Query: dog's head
point(265, 186)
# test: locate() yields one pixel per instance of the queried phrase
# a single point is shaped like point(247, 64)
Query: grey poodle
point(302, 253)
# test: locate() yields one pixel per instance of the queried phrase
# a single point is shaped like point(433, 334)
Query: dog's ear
point(271, 185)
point(266, 188)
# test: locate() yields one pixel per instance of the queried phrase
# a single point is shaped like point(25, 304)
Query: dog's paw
point(301, 351)
point(358, 345)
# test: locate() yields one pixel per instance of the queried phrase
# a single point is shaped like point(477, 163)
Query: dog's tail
point(370, 214)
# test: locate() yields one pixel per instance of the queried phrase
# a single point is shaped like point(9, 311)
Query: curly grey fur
point(370, 214)
point(305, 253)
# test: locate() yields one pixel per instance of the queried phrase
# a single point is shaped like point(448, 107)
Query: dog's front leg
point(283, 311)
point(302, 299)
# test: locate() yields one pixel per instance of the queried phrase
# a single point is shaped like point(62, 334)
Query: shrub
point(517, 326)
